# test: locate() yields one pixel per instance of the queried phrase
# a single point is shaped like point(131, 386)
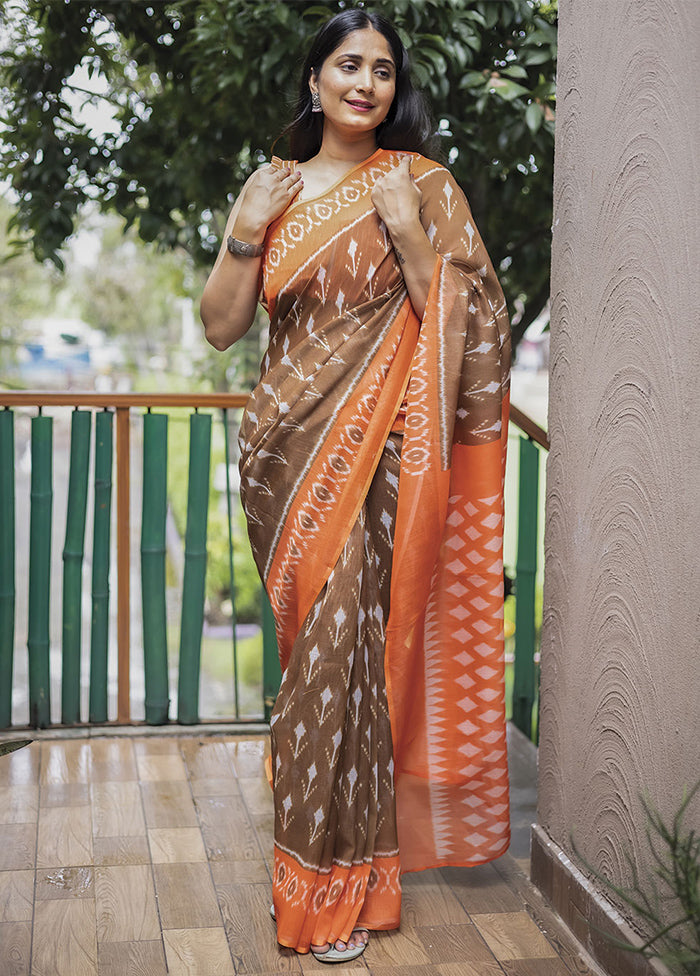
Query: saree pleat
point(372, 463)
point(331, 744)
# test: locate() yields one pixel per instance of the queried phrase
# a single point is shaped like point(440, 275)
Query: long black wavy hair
point(408, 124)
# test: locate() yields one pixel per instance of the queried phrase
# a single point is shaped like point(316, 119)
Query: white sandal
point(331, 954)
point(341, 955)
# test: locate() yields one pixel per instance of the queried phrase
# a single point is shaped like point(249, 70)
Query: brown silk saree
point(372, 468)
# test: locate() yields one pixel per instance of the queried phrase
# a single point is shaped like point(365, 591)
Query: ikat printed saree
point(372, 470)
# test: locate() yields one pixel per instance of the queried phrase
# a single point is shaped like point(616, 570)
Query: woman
point(371, 474)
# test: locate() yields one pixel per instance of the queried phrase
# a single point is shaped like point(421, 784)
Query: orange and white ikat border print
point(314, 908)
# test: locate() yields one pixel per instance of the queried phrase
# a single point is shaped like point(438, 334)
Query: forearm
point(230, 295)
point(417, 258)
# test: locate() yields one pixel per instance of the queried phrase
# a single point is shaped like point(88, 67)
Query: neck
point(338, 149)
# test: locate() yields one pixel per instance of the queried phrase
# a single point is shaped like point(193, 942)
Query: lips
point(359, 104)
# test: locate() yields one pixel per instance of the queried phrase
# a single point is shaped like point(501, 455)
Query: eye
point(384, 74)
point(348, 66)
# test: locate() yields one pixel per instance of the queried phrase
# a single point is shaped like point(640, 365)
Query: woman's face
point(357, 82)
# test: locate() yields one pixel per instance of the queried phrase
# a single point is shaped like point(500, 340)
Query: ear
point(313, 85)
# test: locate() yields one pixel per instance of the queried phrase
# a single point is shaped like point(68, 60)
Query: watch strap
point(243, 248)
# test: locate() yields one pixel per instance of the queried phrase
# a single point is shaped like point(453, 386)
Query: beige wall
point(620, 697)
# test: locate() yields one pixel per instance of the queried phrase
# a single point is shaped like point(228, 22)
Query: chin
point(363, 122)
point(355, 126)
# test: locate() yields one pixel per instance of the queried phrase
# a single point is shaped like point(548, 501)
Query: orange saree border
point(325, 502)
point(313, 908)
point(444, 660)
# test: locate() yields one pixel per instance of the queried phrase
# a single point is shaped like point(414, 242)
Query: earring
point(316, 102)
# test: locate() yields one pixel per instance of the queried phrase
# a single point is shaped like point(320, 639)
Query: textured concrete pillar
point(620, 695)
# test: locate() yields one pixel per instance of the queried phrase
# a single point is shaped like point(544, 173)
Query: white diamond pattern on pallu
point(474, 523)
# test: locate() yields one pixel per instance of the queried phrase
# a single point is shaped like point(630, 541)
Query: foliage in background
point(667, 904)
point(114, 282)
point(200, 89)
point(27, 289)
point(128, 290)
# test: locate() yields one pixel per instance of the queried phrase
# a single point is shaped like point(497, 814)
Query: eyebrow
point(358, 57)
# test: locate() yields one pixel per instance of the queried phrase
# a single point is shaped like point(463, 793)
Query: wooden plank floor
point(141, 856)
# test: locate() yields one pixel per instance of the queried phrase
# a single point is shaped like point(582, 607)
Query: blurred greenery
point(199, 89)
point(134, 293)
point(216, 656)
point(129, 291)
point(26, 288)
point(217, 665)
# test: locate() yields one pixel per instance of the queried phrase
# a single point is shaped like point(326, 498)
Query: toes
point(356, 939)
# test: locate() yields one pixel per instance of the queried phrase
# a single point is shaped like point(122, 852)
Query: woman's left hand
point(396, 197)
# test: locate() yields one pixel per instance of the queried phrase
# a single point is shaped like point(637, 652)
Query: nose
point(365, 80)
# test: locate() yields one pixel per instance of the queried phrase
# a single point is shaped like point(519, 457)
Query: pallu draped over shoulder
point(372, 466)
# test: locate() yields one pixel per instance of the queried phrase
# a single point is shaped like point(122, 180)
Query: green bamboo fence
point(40, 571)
point(232, 576)
point(73, 551)
point(524, 684)
point(99, 630)
point(7, 563)
point(155, 645)
point(193, 589)
point(153, 552)
point(272, 673)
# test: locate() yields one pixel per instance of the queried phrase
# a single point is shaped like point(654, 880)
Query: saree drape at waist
point(381, 552)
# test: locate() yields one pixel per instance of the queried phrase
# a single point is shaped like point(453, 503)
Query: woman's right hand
point(266, 194)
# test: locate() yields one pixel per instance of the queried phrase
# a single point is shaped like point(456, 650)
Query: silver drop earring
point(316, 102)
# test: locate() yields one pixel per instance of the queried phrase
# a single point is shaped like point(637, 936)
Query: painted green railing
point(121, 411)
point(524, 664)
point(109, 462)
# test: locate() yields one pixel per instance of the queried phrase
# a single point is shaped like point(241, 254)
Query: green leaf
point(473, 79)
point(534, 56)
point(490, 14)
point(542, 36)
point(507, 89)
point(476, 17)
point(436, 60)
point(534, 116)
point(514, 71)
